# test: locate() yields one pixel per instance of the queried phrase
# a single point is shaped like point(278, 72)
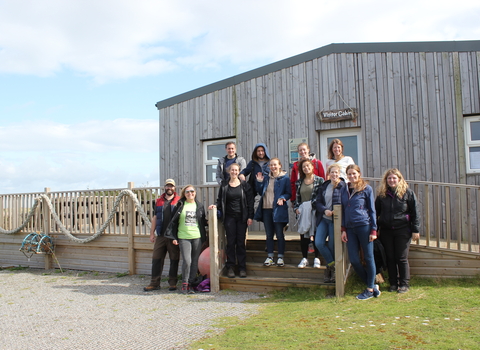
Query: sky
point(79, 79)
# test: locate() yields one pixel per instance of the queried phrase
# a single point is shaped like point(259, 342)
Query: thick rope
point(64, 230)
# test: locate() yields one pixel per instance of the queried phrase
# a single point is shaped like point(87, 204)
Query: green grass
point(434, 314)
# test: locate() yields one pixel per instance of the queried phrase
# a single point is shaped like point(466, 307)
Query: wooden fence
point(449, 216)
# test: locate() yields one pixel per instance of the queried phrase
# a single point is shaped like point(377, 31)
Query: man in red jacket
point(164, 210)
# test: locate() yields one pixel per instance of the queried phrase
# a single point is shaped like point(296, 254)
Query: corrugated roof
point(425, 46)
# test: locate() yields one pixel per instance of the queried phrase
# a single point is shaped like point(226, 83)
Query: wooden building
point(418, 107)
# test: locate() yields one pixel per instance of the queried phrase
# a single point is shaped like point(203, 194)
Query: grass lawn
point(434, 314)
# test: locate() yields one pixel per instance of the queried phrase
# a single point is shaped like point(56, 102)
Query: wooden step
point(287, 271)
point(267, 284)
point(291, 257)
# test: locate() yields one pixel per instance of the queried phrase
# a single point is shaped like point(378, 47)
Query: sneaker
point(303, 263)
point(151, 288)
point(393, 288)
point(231, 273)
point(403, 289)
point(280, 262)
point(376, 291)
point(316, 263)
point(243, 274)
point(190, 290)
point(366, 294)
point(184, 289)
point(311, 248)
point(268, 262)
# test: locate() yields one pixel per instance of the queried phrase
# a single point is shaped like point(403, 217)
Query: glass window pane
point(215, 151)
point(475, 131)
point(474, 157)
point(211, 174)
point(350, 146)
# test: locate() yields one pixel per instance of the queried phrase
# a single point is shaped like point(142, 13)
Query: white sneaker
point(316, 263)
point(280, 262)
point(268, 262)
point(303, 264)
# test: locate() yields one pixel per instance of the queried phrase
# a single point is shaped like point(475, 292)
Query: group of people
point(313, 192)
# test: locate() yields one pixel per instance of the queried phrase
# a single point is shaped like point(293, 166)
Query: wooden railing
point(449, 214)
point(449, 218)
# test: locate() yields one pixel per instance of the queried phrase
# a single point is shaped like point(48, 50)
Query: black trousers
point(161, 246)
point(304, 243)
point(397, 244)
point(236, 231)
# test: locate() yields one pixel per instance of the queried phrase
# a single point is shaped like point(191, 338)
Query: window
point(472, 143)
point(212, 151)
point(352, 143)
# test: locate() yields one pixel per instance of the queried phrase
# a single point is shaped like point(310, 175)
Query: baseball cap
point(170, 182)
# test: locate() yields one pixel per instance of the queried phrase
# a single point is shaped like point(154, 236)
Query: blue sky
point(79, 79)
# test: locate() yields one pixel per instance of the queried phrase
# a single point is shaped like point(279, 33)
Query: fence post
point(131, 232)
point(214, 251)
point(339, 251)
point(47, 222)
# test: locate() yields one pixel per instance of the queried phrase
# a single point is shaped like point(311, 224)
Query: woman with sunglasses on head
point(189, 232)
point(399, 223)
point(272, 209)
point(235, 208)
point(359, 229)
point(328, 195)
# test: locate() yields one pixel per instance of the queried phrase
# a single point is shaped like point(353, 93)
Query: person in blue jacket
point(359, 228)
point(272, 209)
point(259, 164)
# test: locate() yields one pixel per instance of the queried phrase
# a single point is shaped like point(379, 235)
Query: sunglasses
point(190, 191)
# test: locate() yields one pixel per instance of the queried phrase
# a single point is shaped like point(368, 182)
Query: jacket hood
point(254, 153)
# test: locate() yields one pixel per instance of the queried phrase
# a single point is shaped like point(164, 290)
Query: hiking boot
point(231, 273)
point(185, 288)
point(303, 263)
point(316, 263)
point(172, 288)
point(403, 289)
point(327, 275)
point(243, 274)
point(366, 294)
point(280, 262)
point(393, 288)
point(332, 273)
point(376, 291)
point(151, 288)
point(268, 262)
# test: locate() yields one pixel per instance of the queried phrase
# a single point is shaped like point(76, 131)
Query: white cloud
point(113, 39)
point(93, 154)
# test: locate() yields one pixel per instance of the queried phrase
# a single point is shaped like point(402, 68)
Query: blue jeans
point(359, 237)
point(190, 249)
point(327, 249)
point(272, 229)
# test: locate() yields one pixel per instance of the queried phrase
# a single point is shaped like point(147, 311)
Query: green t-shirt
point(187, 225)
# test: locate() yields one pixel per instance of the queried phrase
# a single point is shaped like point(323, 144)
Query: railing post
point(339, 251)
point(214, 251)
point(131, 232)
point(46, 229)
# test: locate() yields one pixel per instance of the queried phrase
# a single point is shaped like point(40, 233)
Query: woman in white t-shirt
point(335, 156)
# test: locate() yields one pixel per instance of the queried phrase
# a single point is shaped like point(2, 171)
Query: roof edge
point(416, 46)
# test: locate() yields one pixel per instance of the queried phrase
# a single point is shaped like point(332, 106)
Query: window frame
point(207, 162)
point(470, 143)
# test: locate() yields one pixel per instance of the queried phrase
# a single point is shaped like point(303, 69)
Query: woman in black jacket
point(398, 221)
point(235, 207)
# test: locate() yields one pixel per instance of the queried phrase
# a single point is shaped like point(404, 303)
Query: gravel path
point(84, 310)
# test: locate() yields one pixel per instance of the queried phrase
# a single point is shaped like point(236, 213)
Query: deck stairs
point(264, 279)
